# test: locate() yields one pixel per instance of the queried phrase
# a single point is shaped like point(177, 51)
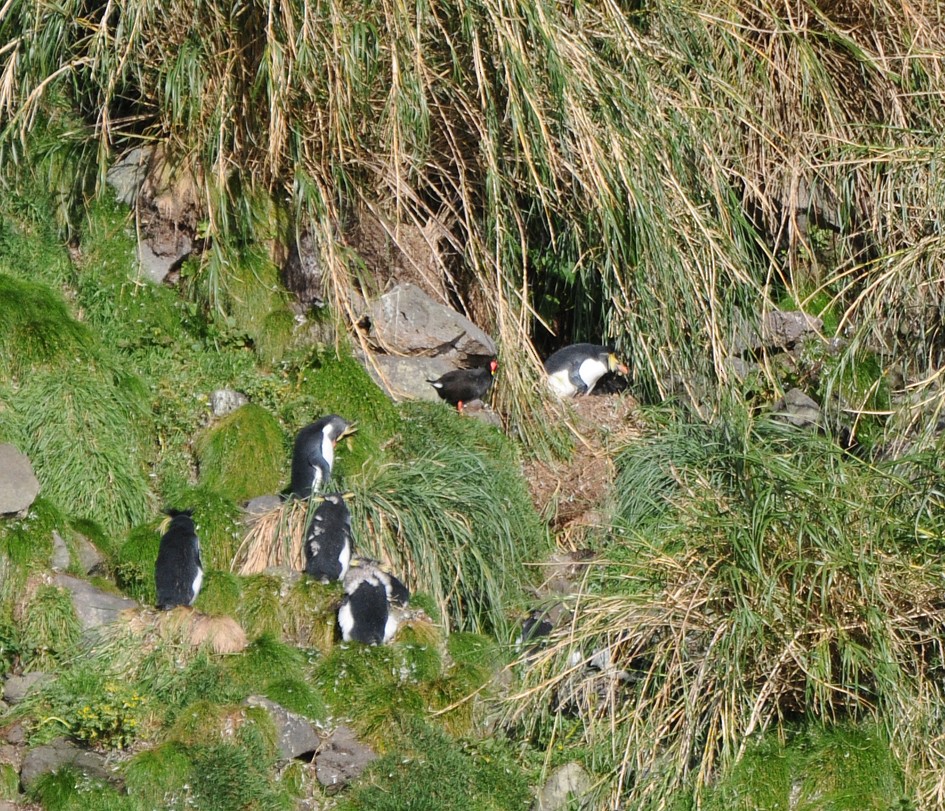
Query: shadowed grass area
point(755, 574)
point(453, 516)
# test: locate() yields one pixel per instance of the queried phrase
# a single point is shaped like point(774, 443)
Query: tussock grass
point(274, 538)
point(453, 517)
point(243, 455)
point(757, 575)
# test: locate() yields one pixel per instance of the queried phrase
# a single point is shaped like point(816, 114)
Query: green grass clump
point(9, 782)
point(27, 541)
point(838, 768)
point(265, 661)
point(39, 329)
point(50, 630)
point(244, 455)
point(134, 564)
point(68, 789)
point(219, 594)
point(86, 434)
point(297, 696)
point(429, 771)
point(454, 517)
point(158, 777)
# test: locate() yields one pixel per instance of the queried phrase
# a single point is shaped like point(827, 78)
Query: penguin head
point(614, 365)
point(335, 428)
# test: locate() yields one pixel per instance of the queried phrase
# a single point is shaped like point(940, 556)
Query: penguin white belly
point(390, 627)
point(560, 383)
point(345, 621)
point(591, 371)
point(198, 582)
point(344, 559)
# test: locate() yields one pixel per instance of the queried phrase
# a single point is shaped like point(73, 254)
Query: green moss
point(243, 455)
point(220, 593)
point(69, 790)
point(134, 566)
point(51, 629)
point(227, 777)
point(310, 613)
point(262, 609)
point(158, 777)
point(38, 328)
point(298, 696)
point(429, 771)
point(9, 782)
point(836, 769)
point(275, 335)
point(266, 661)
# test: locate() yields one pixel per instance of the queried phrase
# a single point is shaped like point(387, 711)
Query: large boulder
point(778, 329)
point(341, 758)
point(407, 377)
point(406, 321)
point(59, 753)
point(18, 485)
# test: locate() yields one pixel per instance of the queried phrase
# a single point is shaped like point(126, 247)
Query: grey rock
point(226, 401)
point(11, 755)
point(60, 556)
point(94, 607)
point(738, 368)
point(341, 758)
point(15, 734)
point(296, 735)
point(797, 409)
point(9, 805)
point(406, 321)
point(155, 266)
point(262, 504)
point(59, 753)
point(778, 328)
point(127, 174)
point(89, 558)
point(405, 378)
point(566, 784)
point(16, 688)
point(18, 485)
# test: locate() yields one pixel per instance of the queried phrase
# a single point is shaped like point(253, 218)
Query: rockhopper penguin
point(328, 540)
point(576, 369)
point(365, 614)
point(464, 385)
point(178, 573)
point(314, 454)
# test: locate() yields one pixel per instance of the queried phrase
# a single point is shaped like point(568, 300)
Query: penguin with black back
point(178, 572)
point(465, 385)
point(365, 613)
point(314, 454)
point(576, 369)
point(328, 543)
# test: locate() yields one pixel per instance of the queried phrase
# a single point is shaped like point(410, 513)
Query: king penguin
point(576, 369)
point(314, 454)
point(328, 540)
point(365, 613)
point(178, 573)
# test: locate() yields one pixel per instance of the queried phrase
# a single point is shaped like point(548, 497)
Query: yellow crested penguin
point(314, 454)
point(576, 369)
point(178, 573)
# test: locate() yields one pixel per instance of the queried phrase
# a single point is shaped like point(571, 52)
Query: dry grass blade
point(274, 538)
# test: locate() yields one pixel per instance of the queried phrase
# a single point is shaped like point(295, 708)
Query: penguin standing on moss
point(314, 454)
point(365, 613)
point(576, 369)
point(328, 540)
point(178, 572)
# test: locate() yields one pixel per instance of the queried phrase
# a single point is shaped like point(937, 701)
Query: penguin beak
point(351, 428)
point(347, 496)
point(616, 366)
